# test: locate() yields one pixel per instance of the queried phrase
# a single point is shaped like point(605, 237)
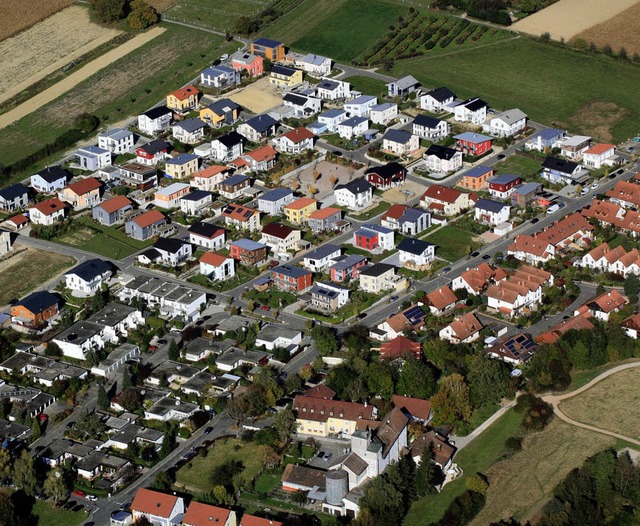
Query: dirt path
point(75, 78)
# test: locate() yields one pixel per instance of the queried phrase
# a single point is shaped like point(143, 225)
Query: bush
point(183, 432)
point(463, 509)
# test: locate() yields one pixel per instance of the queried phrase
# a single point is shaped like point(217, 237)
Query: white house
point(209, 178)
point(116, 140)
point(47, 212)
point(464, 329)
point(402, 86)
point(471, 110)
point(353, 127)
point(207, 235)
point(400, 142)
point(491, 212)
point(354, 194)
point(360, 106)
point(93, 158)
point(273, 337)
point(436, 100)
point(273, 202)
point(331, 89)
point(49, 180)
point(280, 238)
point(159, 509)
point(189, 131)
point(631, 326)
point(195, 202)
point(79, 339)
point(416, 252)
point(88, 277)
point(383, 113)
point(217, 267)
point(574, 147)
point(331, 118)
point(304, 106)
point(442, 159)
point(227, 147)
point(598, 155)
point(430, 128)
point(258, 128)
point(315, 65)
point(371, 236)
point(295, 141)
point(322, 257)
point(219, 77)
point(507, 123)
point(155, 120)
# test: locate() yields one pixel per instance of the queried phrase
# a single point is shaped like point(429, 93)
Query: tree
point(36, 432)
point(7, 511)
point(416, 379)
point(131, 399)
point(221, 496)
point(477, 483)
point(142, 15)
point(91, 359)
point(489, 380)
point(55, 486)
point(426, 472)
point(103, 398)
point(174, 350)
point(632, 285)
point(5, 463)
point(52, 350)
point(162, 481)
point(285, 424)
point(356, 338)
point(451, 403)
point(24, 474)
point(126, 378)
point(379, 379)
point(108, 11)
point(325, 339)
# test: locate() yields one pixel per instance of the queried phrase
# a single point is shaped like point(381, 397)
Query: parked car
point(208, 430)
point(265, 308)
point(92, 498)
point(77, 493)
point(501, 156)
point(224, 57)
point(535, 220)
point(321, 454)
point(594, 185)
point(474, 254)
point(362, 315)
point(393, 298)
point(486, 256)
point(446, 269)
point(327, 457)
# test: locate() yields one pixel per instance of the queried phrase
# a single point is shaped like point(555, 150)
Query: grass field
point(219, 15)
point(368, 85)
point(50, 516)
point(607, 404)
point(477, 457)
point(551, 84)
point(125, 88)
point(520, 165)
point(34, 268)
point(452, 243)
point(198, 476)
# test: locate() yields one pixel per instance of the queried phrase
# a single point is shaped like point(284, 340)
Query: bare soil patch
point(409, 190)
point(326, 173)
point(47, 47)
point(567, 18)
point(620, 31)
point(530, 475)
point(19, 15)
point(597, 119)
point(258, 97)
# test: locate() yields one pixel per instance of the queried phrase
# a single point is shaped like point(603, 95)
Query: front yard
point(276, 299)
point(452, 243)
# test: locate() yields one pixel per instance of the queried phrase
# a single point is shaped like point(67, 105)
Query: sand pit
point(258, 97)
point(329, 175)
point(567, 18)
point(400, 195)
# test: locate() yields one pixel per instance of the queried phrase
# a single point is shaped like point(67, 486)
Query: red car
point(265, 307)
point(77, 493)
point(153, 348)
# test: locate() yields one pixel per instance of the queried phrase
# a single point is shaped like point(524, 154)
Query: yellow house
point(320, 417)
point(285, 77)
point(184, 99)
point(182, 166)
point(221, 112)
point(82, 194)
point(300, 210)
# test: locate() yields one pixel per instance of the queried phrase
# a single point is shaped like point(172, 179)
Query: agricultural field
point(217, 15)
point(430, 34)
point(114, 93)
point(606, 404)
point(22, 18)
point(46, 47)
point(620, 31)
point(554, 85)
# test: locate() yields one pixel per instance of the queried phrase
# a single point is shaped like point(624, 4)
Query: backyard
point(452, 243)
point(529, 168)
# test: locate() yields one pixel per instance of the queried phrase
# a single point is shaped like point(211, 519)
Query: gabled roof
point(405, 82)
point(199, 514)
point(185, 93)
point(442, 298)
point(442, 193)
point(191, 125)
point(399, 136)
point(264, 153)
point(148, 218)
point(52, 174)
point(182, 158)
point(490, 205)
point(504, 179)
point(49, 206)
point(608, 302)
point(465, 326)
point(155, 146)
point(15, 190)
point(213, 259)
point(416, 407)
point(400, 347)
point(323, 251)
point(84, 186)
point(277, 230)
point(441, 152)
point(210, 171)
point(427, 121)
point(40, 301)
point(441, 94)
point(295, 98)
point(169, 244)
point(154, 503)
point(319, 410)
point(252, 520)
point(157, 112)
point(285, 71)
point(276, 194)
point(235, 180)
point(560, 165)
point(320, 391)
point(267, 42)
point(414, 246)
point(357, 186)
point(298, 135)
point(290, 271)
point(475, 104)
point(323, 213)
point(239, 213)
point(91, 269)
point(261, 123)
point(230, 139)
point(207, 230)
point(303, 202)
point(511, 116)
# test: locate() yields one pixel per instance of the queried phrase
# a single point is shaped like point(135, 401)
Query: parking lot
point(334, 448)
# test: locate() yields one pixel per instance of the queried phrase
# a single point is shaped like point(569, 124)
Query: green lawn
point(588, 94)
point(452, 243)
point(217, 15)
point(368, 85)
point(274, 298)
point(49, 515)
point(477, 457)
point(520, 165)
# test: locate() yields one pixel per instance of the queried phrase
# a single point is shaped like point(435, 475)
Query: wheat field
point(26, 14)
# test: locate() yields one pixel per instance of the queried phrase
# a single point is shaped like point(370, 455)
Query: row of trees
point(492, 10)
point(138, 13)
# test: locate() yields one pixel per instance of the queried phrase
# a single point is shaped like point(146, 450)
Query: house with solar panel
point(515, 350)
point(411, 319)
point(328, 297)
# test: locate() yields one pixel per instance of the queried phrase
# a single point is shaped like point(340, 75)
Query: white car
point(594, 186)
point(224, 57)
point(92, 498)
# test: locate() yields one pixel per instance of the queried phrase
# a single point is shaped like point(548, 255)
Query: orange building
point(36, 309)
point(270, 49)
point(476, 178)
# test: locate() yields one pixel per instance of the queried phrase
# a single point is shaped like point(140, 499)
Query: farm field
point(583, 14)
point(113, 94)
point(22, 18)
point(606, 404)
point(367, 85)
point(46, 47)
point(551, 84)
point(620, 31)
point(452, 243)
point(218, 15)
point(34, 267)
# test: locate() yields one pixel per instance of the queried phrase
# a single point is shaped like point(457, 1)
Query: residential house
point(416, 253)
point(234, 187)
point(93, 158)
point(88, 277)
point(360, 106)
point(242, 217)
point(273, 202)
point(465, 329)
point(217, 267)
point(319, 417)
point(314, 65)
point(219, 77)
point(298, 211)
point(196, 202)
point(491, 212)
point(112, 211)
point(502, 186)
point(272, 50)
point(82, 194)
point(410, 221)
point(625, 193)
point(386, 176)
point(295, 141)
point(352, 127)
point(261, 159)
point(273, 337)
point(605, 304)
point(139, 176)
point(169, 196)
point(476, 280)
point(410, 319)
point(524, 194)
point(47, 212)
point(16, 223)
point(506, 124)
point(374, 237)
point(445, 200)
point(199, 514)
point(49, 180)
point(473, 144)
point(208, 179)
point(471, 110)
point(324, 219)
point(442, 159)
point(400, 347)
point(417, 409)
point(328, 297)
point(518, 294)
point(560, 171)
point(319, 259)
point(631, 326)
point(304, 106)
point(515, 350)
point(14, 197)
point(258, 128)
point(79, 339)
point(291, 279)
point(331, 118)
point(184, 100)
point(167, 251)
point(532, 249)
point(383, 113)
point(599, 155)
point(601, 258)
point(223, 112)
point(189, 131)
point(430, 128)
point(356, 194)
point(159, 509)
point(332, 89)
point(443, 451)
point(182, 166)
point(252, 520)
point(207, 235)
point(248, 252)
point(145, 226)
point(377, 278)
point(285, 76)
point(280, 238)
point(153, 152)
point(36, 309)
point(608, 213)
point(252, 64)
point(227, 147)
point(579, 322)
point(440, 301)
point(402, 87)
point(436, 100)
point(476, 178)
point(156, 120)
point(400, 142)
point(347, 267)
point(544, 139)
point(574, 147)
point(116, 140)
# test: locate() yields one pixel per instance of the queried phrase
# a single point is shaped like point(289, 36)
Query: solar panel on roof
point(521, 338)
point(414, 315)
point(528, 344)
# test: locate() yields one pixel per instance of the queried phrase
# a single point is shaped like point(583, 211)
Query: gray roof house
point(402, 87)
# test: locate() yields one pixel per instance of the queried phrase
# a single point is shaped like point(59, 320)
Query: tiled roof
point(321, 410)
point(399, 347)
point(199, 514)
point(49, 206)
point(154, 503)
point(148, 218)
point(441, 298)
point(84, 186)
point(323, 213)
point(185, 93)
point(599, 149)
point(300, 203)
point(416, 407)
point(298, 135)
point(213, 259)
point(465, 326)
point(442, 193)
